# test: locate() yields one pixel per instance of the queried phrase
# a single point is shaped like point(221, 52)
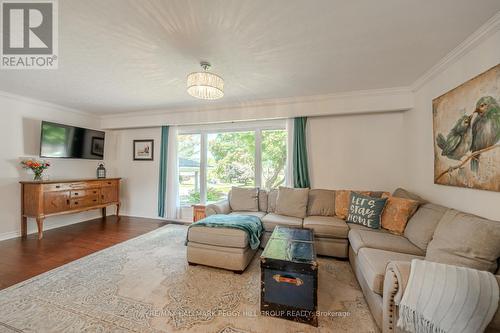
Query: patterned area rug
point(145, 285)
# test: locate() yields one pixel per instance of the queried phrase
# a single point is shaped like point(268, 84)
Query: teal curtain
point(300, 167)
point(162, 179)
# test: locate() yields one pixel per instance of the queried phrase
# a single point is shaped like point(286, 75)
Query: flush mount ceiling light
point(205, 85)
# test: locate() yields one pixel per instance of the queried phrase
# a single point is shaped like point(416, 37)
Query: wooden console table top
point(55, 181)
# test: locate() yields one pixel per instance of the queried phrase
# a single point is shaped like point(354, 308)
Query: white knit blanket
point(443, 298)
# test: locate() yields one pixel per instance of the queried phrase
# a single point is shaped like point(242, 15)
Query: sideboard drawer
point(84, 193)
point(84, 185)
point(56, 187)
point(84, 202)
point(106, 183)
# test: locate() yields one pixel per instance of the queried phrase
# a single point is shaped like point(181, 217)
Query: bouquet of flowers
point(36, 166)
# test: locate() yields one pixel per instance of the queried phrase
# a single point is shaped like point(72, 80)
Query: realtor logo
point(29, 34)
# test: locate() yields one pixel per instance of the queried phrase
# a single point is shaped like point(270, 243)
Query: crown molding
point(485, 31)
point(359, 102)
point(41, 103)
point(267, 102)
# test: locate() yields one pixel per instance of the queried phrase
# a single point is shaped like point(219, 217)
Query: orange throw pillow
point(397, 212)
point(342, 201)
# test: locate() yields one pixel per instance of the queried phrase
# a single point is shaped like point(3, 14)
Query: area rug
point(146, 285)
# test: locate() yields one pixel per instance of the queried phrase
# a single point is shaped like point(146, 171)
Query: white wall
point(20, 137)
point(139, 191)
point(356, 102)
point(355, 151)
point(362, 152)
point(418, 124)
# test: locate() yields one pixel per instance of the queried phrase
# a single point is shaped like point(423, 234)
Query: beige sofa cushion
point(263, 200)
point(402, 193)
point(244, 199)
point(382, 241)
point(225, 237)
point(327, 226)
point(373, 262)
point(292, 201)
point(321, 203)
point(466, 240)
point(423, 223)
point(260, 215)
point(271, 220)
point(271, 201)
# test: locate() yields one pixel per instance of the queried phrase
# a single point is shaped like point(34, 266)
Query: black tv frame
point(98, 158)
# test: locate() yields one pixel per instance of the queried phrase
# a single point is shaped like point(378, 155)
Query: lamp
point(205, 85)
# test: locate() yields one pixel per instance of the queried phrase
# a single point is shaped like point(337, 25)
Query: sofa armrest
point(221, 207)
point(396, 278)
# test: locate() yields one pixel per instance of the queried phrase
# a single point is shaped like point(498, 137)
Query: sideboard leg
point(103, 210)
point(24, 226)
point(118, 210)
point(39, 222)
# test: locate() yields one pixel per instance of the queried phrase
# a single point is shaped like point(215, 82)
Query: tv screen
point(63, 141)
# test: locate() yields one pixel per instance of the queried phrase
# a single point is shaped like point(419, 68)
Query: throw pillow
point(366, 210)
point(244, 199)
point(467, 240)
point(397, 212)
point(342, 200)
point(321, 203)
point(292, 201)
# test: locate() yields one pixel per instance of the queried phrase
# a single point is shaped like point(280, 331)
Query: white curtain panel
point(172, 200)
point(289, 153)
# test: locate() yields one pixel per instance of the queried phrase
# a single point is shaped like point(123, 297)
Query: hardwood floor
point(21, 259)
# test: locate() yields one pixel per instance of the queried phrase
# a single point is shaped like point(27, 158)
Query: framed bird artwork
point(467, 133)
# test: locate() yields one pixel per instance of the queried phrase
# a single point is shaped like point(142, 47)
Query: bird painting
point(485, 128)
point(466, 122)
point(458, 141)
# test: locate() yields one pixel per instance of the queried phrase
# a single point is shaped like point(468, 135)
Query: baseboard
point(32, 229)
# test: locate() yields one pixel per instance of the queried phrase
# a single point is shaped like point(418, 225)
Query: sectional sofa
point(380, 259)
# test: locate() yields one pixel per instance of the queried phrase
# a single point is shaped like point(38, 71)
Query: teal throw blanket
point(250, 224)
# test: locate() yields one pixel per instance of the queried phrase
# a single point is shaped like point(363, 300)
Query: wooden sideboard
point(40, 199)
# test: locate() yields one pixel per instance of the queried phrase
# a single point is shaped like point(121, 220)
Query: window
point(230, 162)
point(212, 159)
point(189, 168)
point(273, 158)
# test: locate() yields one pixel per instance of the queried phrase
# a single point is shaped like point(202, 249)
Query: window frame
point(256, 127)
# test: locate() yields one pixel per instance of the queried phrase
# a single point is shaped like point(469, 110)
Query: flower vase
point(38, 176)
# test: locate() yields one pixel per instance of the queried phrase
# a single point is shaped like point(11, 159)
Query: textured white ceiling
point(125, 55)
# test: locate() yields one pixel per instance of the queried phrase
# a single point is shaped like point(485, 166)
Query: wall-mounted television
point(64, 141)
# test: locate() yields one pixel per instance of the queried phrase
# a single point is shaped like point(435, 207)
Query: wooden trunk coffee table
point(289, 276)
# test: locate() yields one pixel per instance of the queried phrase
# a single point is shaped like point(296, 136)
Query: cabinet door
point(55, 202)
point(109, 194)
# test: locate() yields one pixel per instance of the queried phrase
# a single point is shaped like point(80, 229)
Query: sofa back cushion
point(244, 199)
point(263, 200)
point(292, 201)
point(321, 203)
point(467, 240)
point(423, 223)
point(271, 200)
point(402, 193)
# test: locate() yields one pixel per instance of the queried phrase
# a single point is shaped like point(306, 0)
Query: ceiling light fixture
point(205, 85)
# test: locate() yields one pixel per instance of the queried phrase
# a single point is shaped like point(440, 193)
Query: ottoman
point(225, 248)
